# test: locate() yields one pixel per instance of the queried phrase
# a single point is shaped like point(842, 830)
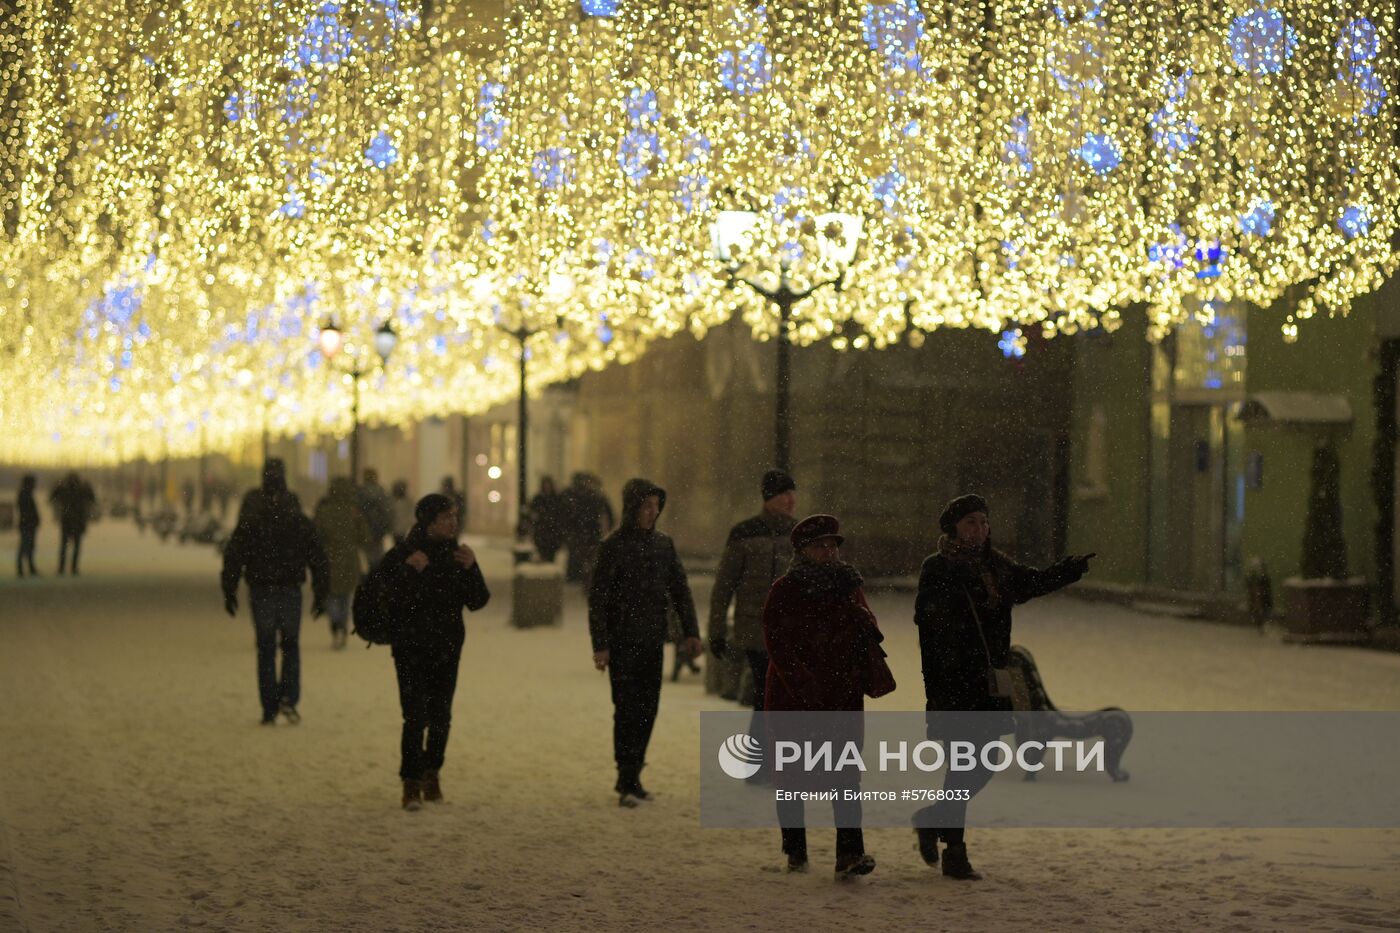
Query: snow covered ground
point(137, 791)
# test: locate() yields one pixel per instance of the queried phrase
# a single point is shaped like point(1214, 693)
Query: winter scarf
point(838, 579)
point(972, 560)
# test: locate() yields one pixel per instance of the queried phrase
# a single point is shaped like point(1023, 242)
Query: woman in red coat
point(819, 631)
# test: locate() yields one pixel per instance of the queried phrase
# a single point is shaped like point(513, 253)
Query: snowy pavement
point(137, 791)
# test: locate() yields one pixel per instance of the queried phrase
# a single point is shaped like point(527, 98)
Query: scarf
point(822, 580)
point(973, 561)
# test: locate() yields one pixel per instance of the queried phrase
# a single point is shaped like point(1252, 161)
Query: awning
point(1295, 408)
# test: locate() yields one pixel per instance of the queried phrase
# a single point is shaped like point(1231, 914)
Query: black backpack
point(375, 620)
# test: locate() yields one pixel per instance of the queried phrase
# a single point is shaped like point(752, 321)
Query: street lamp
point(838, 236)
point(331, 340)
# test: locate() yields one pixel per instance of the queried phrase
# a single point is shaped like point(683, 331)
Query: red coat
point(816, 649)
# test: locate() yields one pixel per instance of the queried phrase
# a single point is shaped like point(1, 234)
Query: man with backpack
point(272, 547)
point(420, 588)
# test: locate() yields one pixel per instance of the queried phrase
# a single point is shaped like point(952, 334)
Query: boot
point(928, 845)
point(795, 846)
point(432, 790)
point(851, 857)
point(412, 794)
point(956, 865)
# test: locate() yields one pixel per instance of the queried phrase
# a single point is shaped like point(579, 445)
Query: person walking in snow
point(28, 525)
point(75, 502)
point(757, 552)
point(344, 534)
point(963, 611)
point(403, 511)
point(819, 632)
point(431, 579)
point(272, 547)
point(638, 575)
point(378, 513)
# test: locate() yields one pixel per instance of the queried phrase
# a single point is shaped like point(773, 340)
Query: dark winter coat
point(548, 520)
point(817, 647)
point(955, 663)
point(343, 532)
point(74, 500)
point(637, 576)
point(274, 544)
point(758, 552)
point(430, 601)
point(378, 510)
point(28, 510)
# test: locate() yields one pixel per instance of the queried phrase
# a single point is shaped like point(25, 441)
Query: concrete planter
point(537, 596)
point(1327, 610)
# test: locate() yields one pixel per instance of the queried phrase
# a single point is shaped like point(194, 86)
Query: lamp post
point(331, 340)
point(838, 236)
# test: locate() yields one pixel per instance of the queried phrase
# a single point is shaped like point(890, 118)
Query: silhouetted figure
point(272, 547)
point(449, 489)
point(74, 501)
point(28, 525)
point(431, 578)
point(344, 533)
point(378, 511)
point(638, 577)
point(590, 518)
point(403, 511)
point(548, 520)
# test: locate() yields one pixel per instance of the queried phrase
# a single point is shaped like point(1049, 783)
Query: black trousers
point(427, 680)
point(850, 840)
point(26, 550)
point(950, 816)
point(77, 538)
point(634, 672)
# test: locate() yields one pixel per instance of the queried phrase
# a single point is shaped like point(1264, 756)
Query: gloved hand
point(718, 646)
point(318, 608)
point(231, 604)
point(1078, 565)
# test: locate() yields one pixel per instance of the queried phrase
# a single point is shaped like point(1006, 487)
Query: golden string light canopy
point(188, 194)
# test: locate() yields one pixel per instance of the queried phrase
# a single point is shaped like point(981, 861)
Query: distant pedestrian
point(963, 611)
point(75, 503)
point(403, 511)
point(449, 489)
point(548, 520)
point(638, 576)
point(28, 525)
point(431, 579)
point(819, 632)
point(378, 511)
point(272, 547)
point(344, 534)
point(589, 518)
point(757, 552)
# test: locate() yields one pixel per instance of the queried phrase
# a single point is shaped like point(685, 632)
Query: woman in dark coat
point(28, 525)
point(548, 520)
point(963, 610)
point(818, 630)
point(431, 577)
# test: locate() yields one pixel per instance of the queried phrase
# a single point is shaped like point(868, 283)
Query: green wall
point(1113, 372)
point(1331, 356)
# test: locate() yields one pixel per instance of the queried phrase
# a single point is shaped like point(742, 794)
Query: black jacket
point(638, 575)
point(430, 601)
point(955, 662)
point(273, 545)
point(28, 510)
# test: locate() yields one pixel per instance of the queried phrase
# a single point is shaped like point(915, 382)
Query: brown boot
point(432, 790)
point(412, 794)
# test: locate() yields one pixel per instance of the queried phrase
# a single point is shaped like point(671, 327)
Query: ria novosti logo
point(741, 756)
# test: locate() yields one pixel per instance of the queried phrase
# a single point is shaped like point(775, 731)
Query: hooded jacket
point(429, 602)
point(638, 575)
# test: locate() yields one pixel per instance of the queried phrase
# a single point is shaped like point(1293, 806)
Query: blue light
point(641, 106)
point(240, 105)
point(1368, 86)
point(553, 167)
point(1358, 40)
point(1018, 147)
point(297, 100)
point(381, 151)
point(1355, 221)
point(746, 72)
point(491, 124)
point(894, 30)
point(885, 188)
point(599, 7)
point(1261, 41)
point(1211, 255)
point(396, 16)
point(324, 41)
point(1173, 130)
point(1011, 345)
point(1100, 153)
point(294, 206)
point(1260, 219)
point(635, 152)
point(692, 192)
point(697, 147)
